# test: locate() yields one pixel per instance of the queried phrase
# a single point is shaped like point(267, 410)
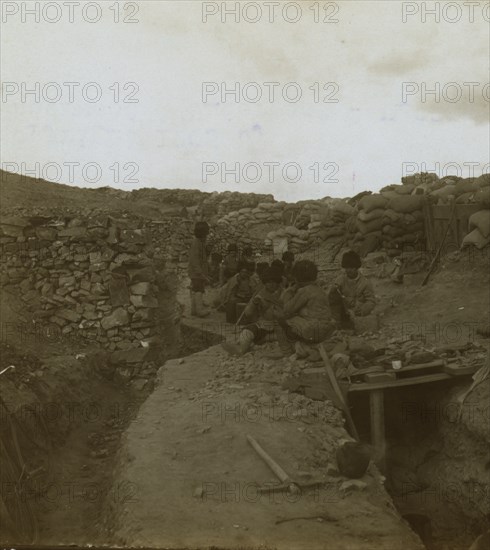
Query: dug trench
point(62, 422)
point(437, 462)
point(438, 434)
point(193, 429)
point(169, 465)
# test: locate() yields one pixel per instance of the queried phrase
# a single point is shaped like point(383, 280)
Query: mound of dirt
point(197, 481)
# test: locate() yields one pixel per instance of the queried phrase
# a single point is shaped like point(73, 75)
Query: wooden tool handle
point(338, 392)
point(248, 303)
point(273, 465)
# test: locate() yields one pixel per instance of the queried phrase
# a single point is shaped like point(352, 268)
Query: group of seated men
point(281, 301)
point(240, 285)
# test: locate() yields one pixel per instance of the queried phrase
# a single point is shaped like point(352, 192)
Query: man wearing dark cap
point(261, 268)
point(352, 295)
point(305, 318)
point(259, 311)
point(278, 265)
point(198, 268)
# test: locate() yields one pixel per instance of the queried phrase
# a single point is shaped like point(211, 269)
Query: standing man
point(198, 269)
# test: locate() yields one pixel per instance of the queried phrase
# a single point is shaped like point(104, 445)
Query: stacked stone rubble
point(209, 204)
point(302, 225)
point(94, 279)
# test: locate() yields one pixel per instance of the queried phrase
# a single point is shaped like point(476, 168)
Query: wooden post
point(376, 404)
point(436, 257)
point(338, 392)
point(428, 225)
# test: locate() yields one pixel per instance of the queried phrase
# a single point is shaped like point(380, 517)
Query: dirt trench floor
point(190, 442)
point(180, 472)
point(196, 477)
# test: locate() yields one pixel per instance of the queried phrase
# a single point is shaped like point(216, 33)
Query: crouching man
point(351, 295)
point(305, 317)
point(259, 314)
point(238, 290)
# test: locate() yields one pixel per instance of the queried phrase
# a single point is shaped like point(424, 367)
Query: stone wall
point(98, 279)
point(210, 204)
point(303, 224)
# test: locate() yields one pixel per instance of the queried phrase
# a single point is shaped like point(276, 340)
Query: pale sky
point(364, 140)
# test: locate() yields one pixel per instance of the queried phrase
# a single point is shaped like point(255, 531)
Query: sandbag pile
point(240, 225)
point(391, 219)
point(303, 223)
point(479, 230)
point(423, 181)
point(328, 221)
point(93, 279)
point(238, 222)
point(298, 239)
point(441, 191)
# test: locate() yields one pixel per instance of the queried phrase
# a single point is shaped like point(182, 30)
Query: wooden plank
point(441, 244)
point(465, 210)
point(379, 376)
point(440, 214)
point(438, 363)
point(338, 392)
point(415, 380)
point(441, 211)
point(426, 379)
point(428, 225)
point(377, 416)
point(456, 370)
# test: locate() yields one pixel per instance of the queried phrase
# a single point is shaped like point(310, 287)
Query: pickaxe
point(287, 484)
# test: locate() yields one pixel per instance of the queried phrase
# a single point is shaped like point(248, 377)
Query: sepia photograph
point(244, 275)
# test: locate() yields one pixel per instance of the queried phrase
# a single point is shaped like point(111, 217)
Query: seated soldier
point(247, 255)
point(351, 295)
point(278, 266)
point(258, 314)
point(305, 316)
point(260, 268)
point(238, 290)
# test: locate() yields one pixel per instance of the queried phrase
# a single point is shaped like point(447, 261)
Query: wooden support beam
point(377, 414)
point(425, 379)
point(428, 225)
